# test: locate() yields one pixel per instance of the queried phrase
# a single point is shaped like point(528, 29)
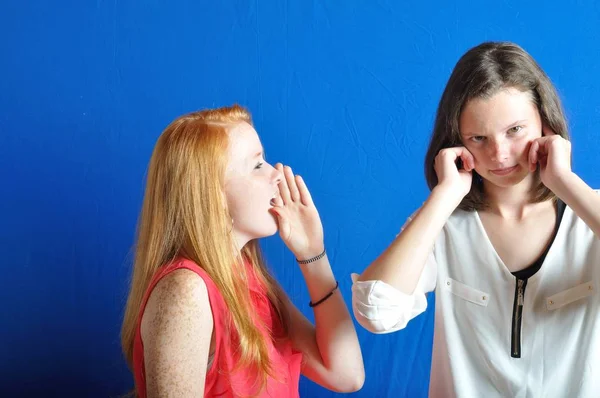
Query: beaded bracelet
point(313, 259)
point(311, 304)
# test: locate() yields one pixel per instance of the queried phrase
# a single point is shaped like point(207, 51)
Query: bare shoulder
point(176, 330)
point(179, 298)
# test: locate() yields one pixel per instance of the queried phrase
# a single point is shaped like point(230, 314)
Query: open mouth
point(275, 195)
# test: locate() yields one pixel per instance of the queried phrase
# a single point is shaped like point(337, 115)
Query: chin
point(261, 229)
point(262, 234)
point(269, 228)
point(272, 231)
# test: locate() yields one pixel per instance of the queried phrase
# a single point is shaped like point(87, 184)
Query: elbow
point(390, 316)
point(376, 326)
point(351, 382)
point(366, 323)
point(356, 383)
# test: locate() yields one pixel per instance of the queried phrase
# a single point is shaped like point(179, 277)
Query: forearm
point(335, 334)
point(401, 264)
point(580, 197)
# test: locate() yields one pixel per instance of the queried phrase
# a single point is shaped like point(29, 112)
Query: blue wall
point(345, 93)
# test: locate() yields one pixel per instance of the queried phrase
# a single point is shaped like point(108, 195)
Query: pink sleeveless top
point(221, 381)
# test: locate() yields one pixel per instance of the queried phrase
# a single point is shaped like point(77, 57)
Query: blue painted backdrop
point(345, 92)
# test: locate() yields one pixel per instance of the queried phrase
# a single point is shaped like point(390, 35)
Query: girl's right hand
point(452, 180)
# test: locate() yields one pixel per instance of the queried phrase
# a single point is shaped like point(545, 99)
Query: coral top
point(221, 380)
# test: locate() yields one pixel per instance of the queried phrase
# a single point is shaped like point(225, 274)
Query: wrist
point(310, 255)
point(561, 182)
point(446, 197)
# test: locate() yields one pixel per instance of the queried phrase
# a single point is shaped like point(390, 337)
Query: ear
point(546, 131)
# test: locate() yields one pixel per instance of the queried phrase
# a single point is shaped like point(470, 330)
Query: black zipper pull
point(520, 298)
point(517, 318)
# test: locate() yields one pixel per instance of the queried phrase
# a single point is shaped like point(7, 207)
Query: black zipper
point(521, 283)
point(515, 346)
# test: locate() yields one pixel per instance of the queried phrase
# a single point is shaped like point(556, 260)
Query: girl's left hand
point(553, 153)
point(299, 223)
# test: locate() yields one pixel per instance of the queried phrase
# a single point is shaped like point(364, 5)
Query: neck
point(513, 202)
point(239, 241)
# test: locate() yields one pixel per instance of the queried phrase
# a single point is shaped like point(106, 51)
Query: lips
point(275, 195)
point(504, 171)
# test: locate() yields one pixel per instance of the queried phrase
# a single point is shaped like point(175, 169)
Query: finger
point(451, 154)
point(531, 165)
point(448, 157)
point(456, 151)
point(280, 217)
point(544, 144)
point(304, 192)
point(532, 155)
point(543, 161)
point(279, 213)
point(543, 150)
point(291, 183)
point(468, 160)
point(284, 191)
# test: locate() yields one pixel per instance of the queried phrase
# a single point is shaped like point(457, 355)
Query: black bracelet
point(311, 304)
point(313, 259)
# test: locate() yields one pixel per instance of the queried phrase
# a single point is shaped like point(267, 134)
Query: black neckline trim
point(535, 267)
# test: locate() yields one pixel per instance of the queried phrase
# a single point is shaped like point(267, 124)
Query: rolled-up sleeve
point(381, 308)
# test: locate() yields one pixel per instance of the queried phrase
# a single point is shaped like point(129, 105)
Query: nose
point(499, 149)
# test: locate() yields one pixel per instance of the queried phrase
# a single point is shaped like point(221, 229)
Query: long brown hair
point(184, 214)
point(480, 73)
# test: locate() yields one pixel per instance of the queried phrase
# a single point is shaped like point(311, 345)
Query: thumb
point(281, 218)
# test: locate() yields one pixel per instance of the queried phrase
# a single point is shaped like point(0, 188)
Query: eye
point(477, 138)
point(515, 130)
point(259, 165)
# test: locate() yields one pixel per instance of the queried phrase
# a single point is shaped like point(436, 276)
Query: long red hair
point(184, 213)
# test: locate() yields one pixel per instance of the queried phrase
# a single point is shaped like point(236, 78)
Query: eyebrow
point(259, 154)
point(517, 123)
point(513, 124)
